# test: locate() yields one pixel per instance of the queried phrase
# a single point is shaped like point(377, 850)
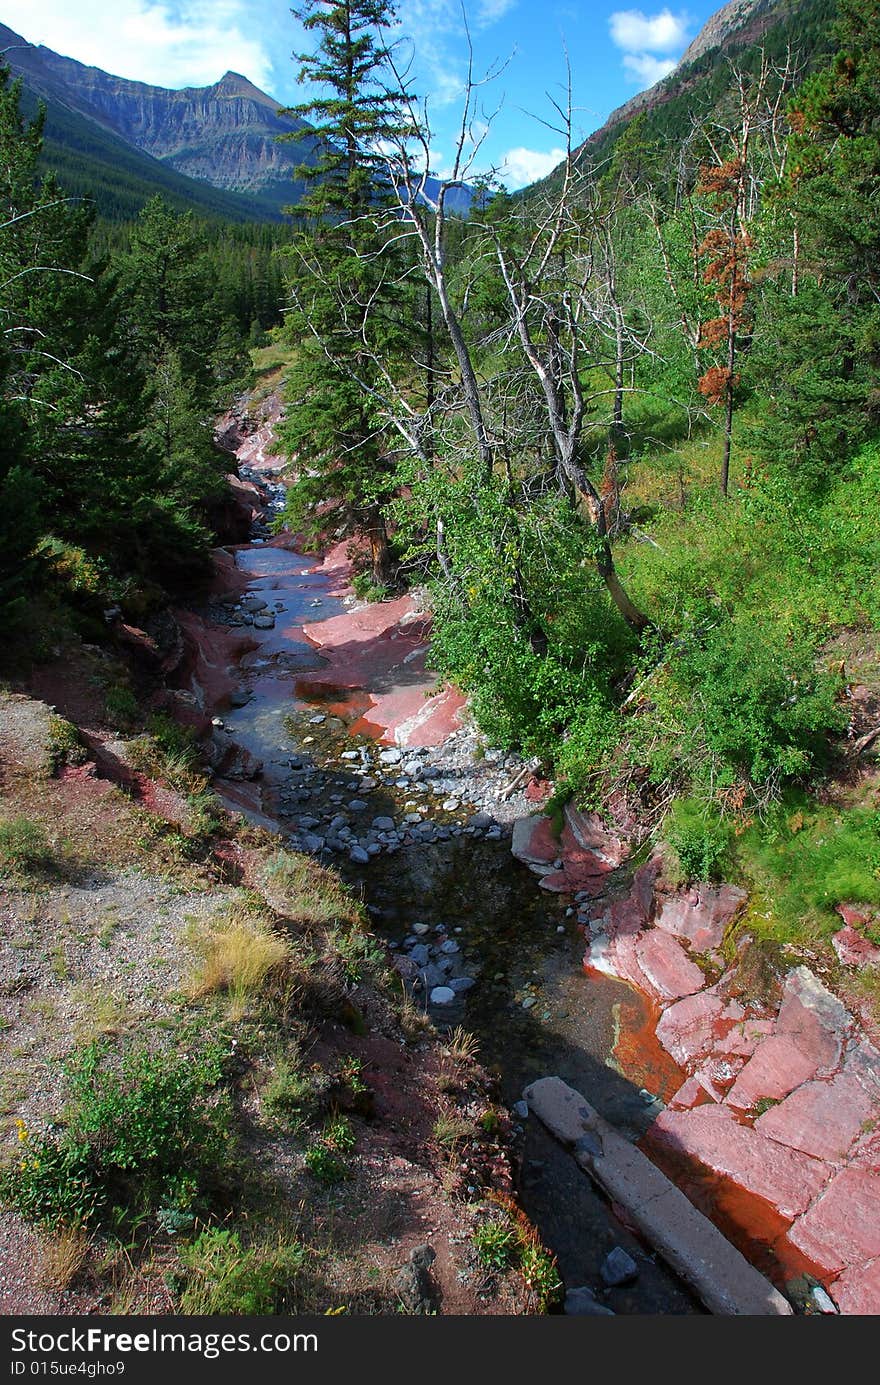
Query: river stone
point(358, 855)
point(421, 928)
point(356, 805)
point(449, 946)
point(349, 755)
point(253, 604)
point(460, 984)
point(451, 804)
point(367, 782)
point(383, 824)
point(390, 757)
point(618, 1267)
point(312, 844)
point(421, 954)
point(442, 995)
point(582, 1301)
point(266, 622)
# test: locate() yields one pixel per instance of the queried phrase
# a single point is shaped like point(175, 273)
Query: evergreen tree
point(346, 281)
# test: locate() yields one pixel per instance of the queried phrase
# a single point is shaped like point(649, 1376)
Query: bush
point(149, 1134)
point(224, 1278)
point(24, 846)
point(700, 840)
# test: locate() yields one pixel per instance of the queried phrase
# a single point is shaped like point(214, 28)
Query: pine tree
point(346, 282)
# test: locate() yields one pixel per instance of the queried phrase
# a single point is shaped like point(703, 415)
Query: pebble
point(383, 824)
point(450, 805)
point(356, 805)
point(390, 757)
point(460, 984)
point(442, 995)
point(529, 1001)
point(358, 855)
point(823, 1301)
point(450, 946)
point(581, 1302)
point(318, 720)
point(618, 1267)
point(520, 1109)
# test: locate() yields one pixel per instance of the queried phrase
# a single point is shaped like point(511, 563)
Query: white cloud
point(646, 69)
point(520, 167)
point(170, 43)
point(490, 11)
point(651, 43)
point(635, 32)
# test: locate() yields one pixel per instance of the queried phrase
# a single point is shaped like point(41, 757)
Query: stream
point(413, 832)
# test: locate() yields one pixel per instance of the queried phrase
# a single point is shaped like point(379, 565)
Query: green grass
point(804, 862)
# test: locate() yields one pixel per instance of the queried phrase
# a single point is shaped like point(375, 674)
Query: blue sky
point(613, 50)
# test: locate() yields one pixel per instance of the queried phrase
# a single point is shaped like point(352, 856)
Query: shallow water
point(533, 1008)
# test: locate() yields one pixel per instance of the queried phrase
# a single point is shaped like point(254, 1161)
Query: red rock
point(626, 917)
point(691, 1093)
point(716, 1074)
point(567, 881)
point(590, 833)
point(711, 1134)
point(701, 916)
point(853, 915)
point(538, 790)
point(865, 1154)
point(534, 841)
point(644, 880)
point(666, 965)
point(820, 1118)
point(617, 957)
point(814, 1018)
point(777, 1066)
point(686, 1030)
point(857, 1291)
point(854, 950)
point(744, 1036)
point(863, 1061)
point(842, 1227)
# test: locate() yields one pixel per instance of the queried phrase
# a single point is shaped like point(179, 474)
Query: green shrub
point(699, 838)
point(497, 1244)
point(65, 745)
point(24, 846)
point(148, 1135)
point(225, 1278)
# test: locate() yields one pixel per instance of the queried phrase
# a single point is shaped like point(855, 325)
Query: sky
point(611, 50)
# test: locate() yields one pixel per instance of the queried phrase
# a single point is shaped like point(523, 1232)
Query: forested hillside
point(625, 427)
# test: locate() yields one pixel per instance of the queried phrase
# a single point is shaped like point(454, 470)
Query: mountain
point(697, 86)
point(186, 142)
point(215, 148)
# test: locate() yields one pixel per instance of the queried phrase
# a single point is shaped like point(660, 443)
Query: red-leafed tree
point(726, 247)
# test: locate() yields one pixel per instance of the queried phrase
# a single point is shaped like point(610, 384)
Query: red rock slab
point(842, 1227)
point(617, 957)
point(642, 893)
point(820, 1118)
point(744, 1035)
point(777, 1066)
point(668, 968)
point(534, 841)
point(687, 1029)
point(626, 917)
point(413, 715)
point(590, 833)
point(814, 1018)
point(865, 1154)
point(581, 860)
point(854, 950)
point(786, 1178)
point(571, 881)
point(691, 1093)
point(863, 1061)
point(857, 1291)
point(701, 916)
point(853, 915)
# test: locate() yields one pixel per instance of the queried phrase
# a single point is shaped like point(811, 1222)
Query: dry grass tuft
point(64, 1255)
point(237, 954)
point(305, 892)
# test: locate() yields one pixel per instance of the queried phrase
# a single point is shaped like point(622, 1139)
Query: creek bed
point(532, 1007)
